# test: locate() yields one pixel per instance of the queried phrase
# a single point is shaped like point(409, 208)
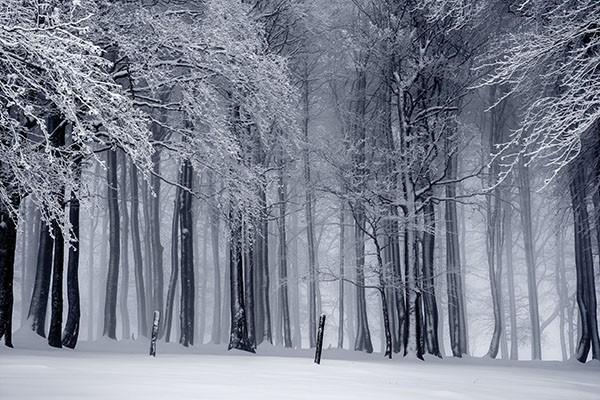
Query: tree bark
point(214, 234)
point(124, 267)
point(71, 332)
point(112, 280)
point(283, 277)
point(429, 300)
point(342, 275)
point(41, 288)
point(187, 257)
point(140, 290)
point(512, 307)
point(586, 290)
point(168, 320)
point(525, 205)
point(8, 244)
point(56, 303)
point(238, 339)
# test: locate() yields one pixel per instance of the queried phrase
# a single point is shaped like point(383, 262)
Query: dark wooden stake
point(154, 333)
point(320, 339)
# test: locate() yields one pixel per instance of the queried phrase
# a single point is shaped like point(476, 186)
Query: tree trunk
point(124, 290)
point(140, 290)
point(429, 300)
point(214, 234)
point(341, 277)
point(56, 303)
point(309, 204)
point(293, 287)
point(157, 248)
point(283, 277)
point(238, 339)
point(71, 332)
point(525, 205)
point(508, 243)
point(187, 257)
point(561, 289)
point(168, 320)
point(148, 256)
point(249, 275)
point(586, 290)
point(8, 244)
point(112, 280)
point(41, 288)
point(455, 289)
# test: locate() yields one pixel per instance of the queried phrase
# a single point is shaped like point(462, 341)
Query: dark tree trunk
point(148, 257)
point(363, 335)
point(341, 283)
point(168, 320)
point(309, 204)
point(124, 273)
point(456, 306)
point(214, 234)
point(283, 276)
point(187, 257)
point(429, 300)
point(71, 332)
point(249, 275)
point(238, 339)
point(41, 287)
point(56, 303)
point(8, 243)
point(586, 289)
point(112, 279)
point(140, 291)
point(157, 248)
point(534, 314)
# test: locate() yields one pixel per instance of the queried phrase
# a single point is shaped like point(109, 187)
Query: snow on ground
point(110, 371)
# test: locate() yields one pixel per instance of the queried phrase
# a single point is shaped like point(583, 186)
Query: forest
point(423, 173)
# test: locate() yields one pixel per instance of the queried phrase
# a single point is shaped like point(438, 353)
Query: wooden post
point(154, 333)
point(320, 339)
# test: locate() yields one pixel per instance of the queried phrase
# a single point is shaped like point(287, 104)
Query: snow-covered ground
point(123, 371)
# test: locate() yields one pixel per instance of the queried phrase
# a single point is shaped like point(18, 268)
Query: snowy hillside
point(210, 373)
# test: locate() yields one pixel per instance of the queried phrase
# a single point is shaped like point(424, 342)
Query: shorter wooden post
point(320, 339)
point(154, 333)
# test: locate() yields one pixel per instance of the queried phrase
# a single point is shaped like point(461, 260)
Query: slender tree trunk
point(91, 278)
point(157, 248)
point(249, 275)
point(41, 288)
point(309, 204)
point(561, 289)
point(8, 244)
point(283, 276)
point(455, 288)
point(429, 300)
point(71, 332)
point(341, 273)
point(534, 314)
point(294, 283)
point(140, 290)
point(56, 304)
point(363, 336)
point(148, 256)
point(124, 290)
point(168, 320)
point(512, 307)
point(586, 290)
point(238, 338)
point(112, 280)
point(187, 257)
point(202, 276)
point(214, 229)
